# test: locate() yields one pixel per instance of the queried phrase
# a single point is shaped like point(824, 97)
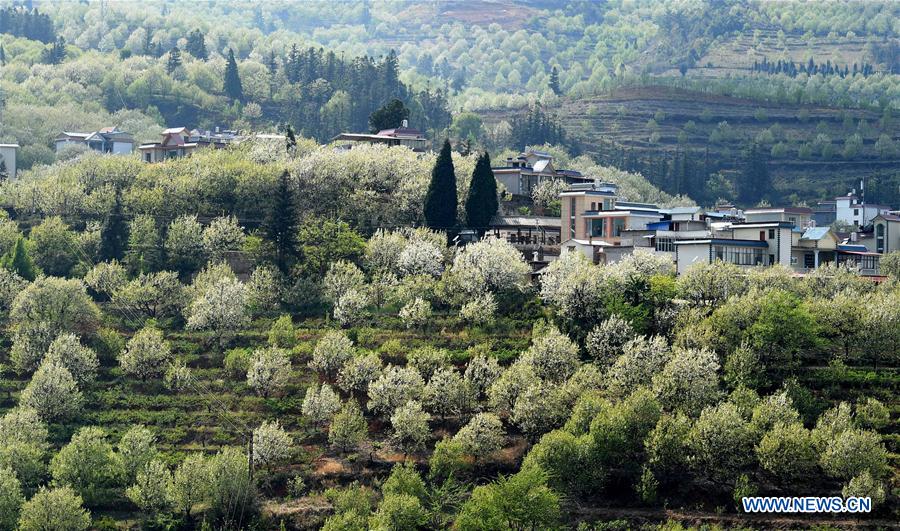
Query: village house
point(8, 160)
point(178, 142)
point(398, 136)
point(537, 237)
point(886, 233)
point(521, 174)
point(594, 222)
point(106, 140)
point(849, 209)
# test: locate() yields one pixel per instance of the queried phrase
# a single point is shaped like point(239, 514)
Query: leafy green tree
point(232, 85)
point(280, 225)
point(397, 512)
point(719, 443)
point(190, 483)
point(136, 449)
point(389, 116)
point(19, 261)
point(54, 246)
point(440, 200)
point(520, 501)
point(11, 498)
point(89, 465)
point(348, 427)
point(143, 253)
point(59, 508)
point(481, 204)
point(232, 494)
point(150, 491)
point(787, 452)
point(321, 242)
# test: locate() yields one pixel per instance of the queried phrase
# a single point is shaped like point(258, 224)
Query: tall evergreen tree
point(290, 139)
point(755, 181)
point(440, 200)
point(196, 45)
point(233, 88)
point(174, 60)
point(2, 55)
point(554, 81)
point(481, 204)
point(19, 261)
point(114, 233)
point(280, 225)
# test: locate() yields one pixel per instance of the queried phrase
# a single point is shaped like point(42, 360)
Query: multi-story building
point(799, 217)
point(521, 174)
point(748, 244)
point(886, 233)
point(594, 221)
point(848, 209)
point(178, 142)
point(107, 140)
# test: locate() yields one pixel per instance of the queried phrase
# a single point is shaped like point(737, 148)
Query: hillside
point(637, 128)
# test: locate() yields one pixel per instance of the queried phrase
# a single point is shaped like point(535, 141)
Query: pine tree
point(174, 60)
point(114, 233)
point(440, 200)
point(4, 172)
point(280, 225)
point(2, 55)
point(232, 83)
point(755, 180)
point(196, 45)
point(554, 81)
point(19, 261)
point(481, 205)
point(290, 140)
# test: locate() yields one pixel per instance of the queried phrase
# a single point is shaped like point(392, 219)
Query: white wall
point(688, 255)
point(9, 158)
point(122, 148)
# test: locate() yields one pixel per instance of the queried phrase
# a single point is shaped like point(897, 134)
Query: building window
point(771, 234)
point(771, 259)
point(571, 217)
point(762, 235)
point(745, 256)
point(855, 211)
point(618, 226)
point(147, 156)
point(665, 245)
point(593, 206)
point(879, 238)
point(607, 204)
point(809, 260)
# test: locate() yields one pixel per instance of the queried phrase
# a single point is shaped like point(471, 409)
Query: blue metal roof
point(852, 247)
point(815, 233)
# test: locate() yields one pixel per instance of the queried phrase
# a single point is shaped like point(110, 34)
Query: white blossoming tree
point(320, 404)
point(553, 356)
point(395, 387)
point(492, 265)
point(641, 359)
point(689, 381)
point(420, 258)
point(53, 393)
point(605, 342)
point(482, 436)
point(481, 372)
point(270, 370)
point(271, 445)
point(222, 309)
point(358, 372)
point(410, 425)
point(332, 351)
point(222, 235)
point(416, 314)
point(67, 351)
point(146, 355)
point(447, 393)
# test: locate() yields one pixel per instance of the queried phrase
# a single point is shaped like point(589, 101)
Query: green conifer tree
point(481, 204)
point(114, 233)
point(19, 261)
point(554, 81)
point(174, 60)
point(440, 200)
point(233, 88)
point(280, 225)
